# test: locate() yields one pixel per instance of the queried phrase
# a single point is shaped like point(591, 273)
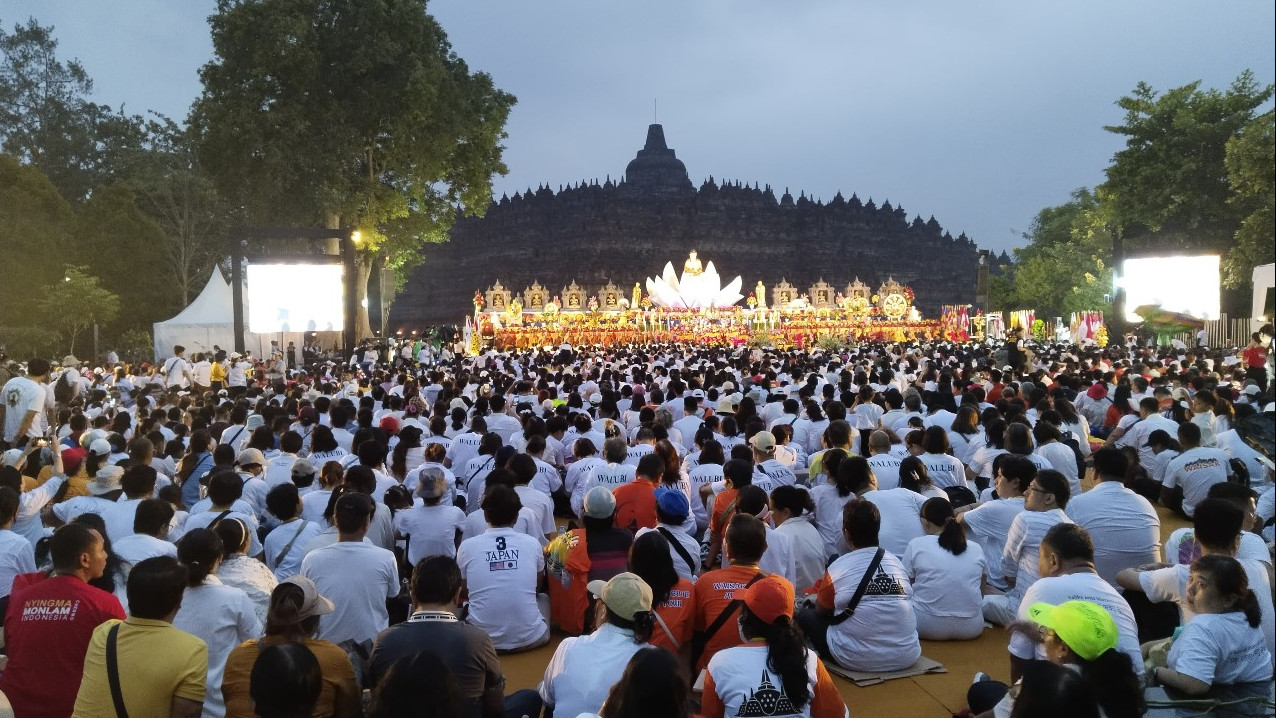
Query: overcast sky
point(977, 113)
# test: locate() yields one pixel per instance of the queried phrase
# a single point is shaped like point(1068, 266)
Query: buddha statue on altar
point(692, 266)
point(760, 293)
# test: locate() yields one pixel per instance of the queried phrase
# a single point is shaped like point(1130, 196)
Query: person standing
point(178, 372)
point(25, 405)
point(50, 621)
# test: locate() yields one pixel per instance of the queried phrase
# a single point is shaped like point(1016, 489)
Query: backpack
point(1239, 472)
point(63, 389)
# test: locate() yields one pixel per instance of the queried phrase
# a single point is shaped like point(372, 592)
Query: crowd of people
point(710, 530)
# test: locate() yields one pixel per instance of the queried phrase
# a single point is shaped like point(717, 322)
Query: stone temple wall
point(625, 231)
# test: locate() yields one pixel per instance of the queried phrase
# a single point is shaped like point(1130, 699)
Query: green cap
point(1087, 628)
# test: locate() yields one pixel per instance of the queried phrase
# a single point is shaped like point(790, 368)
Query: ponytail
point(940, 513)
point(1249, 606)
point(1116, 686)
point(199, 550)
point(792, 499)
point(786, 657)
point(643, 623)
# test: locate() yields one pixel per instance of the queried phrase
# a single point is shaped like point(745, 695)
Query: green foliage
point(1066, 265)
point(1169, 188)
point(832, 343)
point(1251, 170)
point(25, 342)
point(357, 112)
point(77, 303)
point(135, 346)
point(117, 242)
point(35, 230)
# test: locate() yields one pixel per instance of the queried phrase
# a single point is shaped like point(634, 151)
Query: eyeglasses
point(1034, 487)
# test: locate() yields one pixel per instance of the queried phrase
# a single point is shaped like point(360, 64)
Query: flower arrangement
point(1101, 336)
point(1039, 330)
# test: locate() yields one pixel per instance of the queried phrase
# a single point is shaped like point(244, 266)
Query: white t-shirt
point(1064, 461)
point(1082, 586)
point(222, 617)
point(501, 568)
point(357, 577)
point(1196, 470)
point(745, 683)
point(16, 557)
point(279, 470)
point(945, 470)
point(1124, 526)
point(945, 585)
point(981, 460)
point(882, 633)
point(828, 516)
point(528, 523)
point(809, 557)
point(778, 557)
point(542, 504)
point(886, 469)
point(1221, 649)
point(584, 668)
point(901, 513)
point(1019, 560)
point(989, 524)
point(299, 534)
point(464, 447)
point(22, 395)
point(547, 479)
point(432, 530)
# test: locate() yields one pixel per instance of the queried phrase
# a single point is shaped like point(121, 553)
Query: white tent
point(210, 321)
point(1264, 282)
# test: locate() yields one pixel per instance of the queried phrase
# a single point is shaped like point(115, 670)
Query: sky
point(980, 114)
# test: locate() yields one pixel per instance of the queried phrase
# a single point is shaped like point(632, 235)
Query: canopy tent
point(1264, 285)
point(210, 321)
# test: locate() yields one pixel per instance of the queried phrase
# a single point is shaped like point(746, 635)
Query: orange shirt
point(636, 505)
point(723, 510)
point(714, 590)
point(678, 613)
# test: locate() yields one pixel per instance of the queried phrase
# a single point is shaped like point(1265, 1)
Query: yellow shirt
point(218, 373)
point(157, 662)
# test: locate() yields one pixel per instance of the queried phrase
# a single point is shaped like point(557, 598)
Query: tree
point(77, 303)
point(35, 230)
point(46, 118)
point(1066, 265)
point(355, 114)
point(1169, 187)
point(1251, 171)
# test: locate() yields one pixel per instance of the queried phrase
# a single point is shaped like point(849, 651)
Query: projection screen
point(294, 298)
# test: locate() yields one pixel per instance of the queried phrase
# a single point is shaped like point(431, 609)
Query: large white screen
point(294, 298)
point(1179, 284)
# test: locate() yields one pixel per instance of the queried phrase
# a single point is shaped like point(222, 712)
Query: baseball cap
point(390, 424)
point(697, 393)
point(251, 456)
point(1252, 390)
point(303, 467)
point(306, 413)
point(12, 457)
point(763, 441)
point(459, 403)
point(769, 598)
point(672, 502)
point(626, 594)
point(106, 480)
point(599, 503)
point(1084, 627)
point(431, 487)
point(100, 447)
point(312, 604)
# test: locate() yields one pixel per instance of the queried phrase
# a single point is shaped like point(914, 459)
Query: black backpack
point(1239, 472)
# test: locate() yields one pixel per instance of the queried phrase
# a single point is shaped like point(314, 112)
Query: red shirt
point(1255, 356)
point(713, 592)
point(636, 505)
point(47, 629)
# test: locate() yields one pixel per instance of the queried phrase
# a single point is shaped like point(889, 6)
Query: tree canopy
point(353, 114)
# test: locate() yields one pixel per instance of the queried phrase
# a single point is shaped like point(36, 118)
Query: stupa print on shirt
point(767, 700)
point(884, 584)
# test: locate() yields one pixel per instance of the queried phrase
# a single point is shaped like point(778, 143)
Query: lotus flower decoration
point(698, 288)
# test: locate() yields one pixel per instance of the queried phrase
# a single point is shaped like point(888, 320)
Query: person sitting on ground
point(465, 650)
point(162, 669)
point(947, 573)
point(1224, 643)
point(597, 551)
point(584, 668)
point(1182, 546)
point(653, 684)
point(435, 527)
point(239, 571)
point(989, 523)
point(1125, 527)
point(715, 590)
point(672, 511)
point(636, 500)
point(793, 513)
point(873, 630)
point(775, 649)
point(672, 596)
point(778, 557)
point(502, 569)
point(899, 508)
point(1189, 476)
point(293, 619)
point(285, 545)
point(736, 474)
point(1081, 636)
point(1044, 502)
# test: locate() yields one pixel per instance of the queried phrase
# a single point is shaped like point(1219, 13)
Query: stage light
point(356, 236)
point(1177, 284)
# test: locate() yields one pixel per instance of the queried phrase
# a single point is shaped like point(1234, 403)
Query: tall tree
point(1169, 186)
point(78, 302)
point(46, 117)
point(348, 113)
point(36, 226)
point(1251, 170)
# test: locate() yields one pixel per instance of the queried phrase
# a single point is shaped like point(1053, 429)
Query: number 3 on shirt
point(500, 543)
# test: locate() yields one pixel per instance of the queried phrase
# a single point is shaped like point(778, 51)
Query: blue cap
point(673, 502)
